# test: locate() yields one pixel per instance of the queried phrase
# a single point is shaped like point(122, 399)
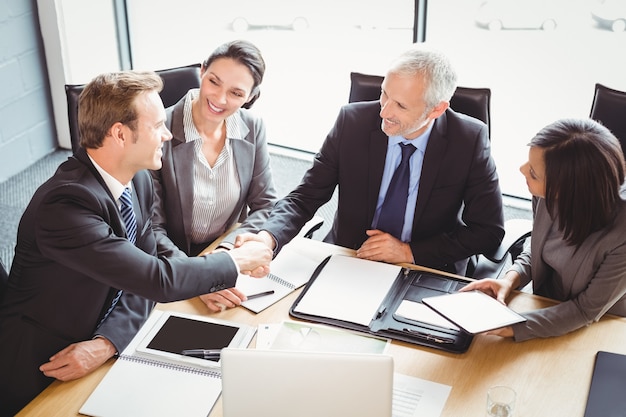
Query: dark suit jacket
point(459, 205)
point(174, 182)
point(71, 256)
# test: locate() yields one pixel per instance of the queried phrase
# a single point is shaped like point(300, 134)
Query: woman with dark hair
point(575, 172)
point(216, 169)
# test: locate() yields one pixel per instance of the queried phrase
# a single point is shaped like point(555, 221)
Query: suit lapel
point(376, 164)
point(182, 160)
point(242, 155)
point(435, 151)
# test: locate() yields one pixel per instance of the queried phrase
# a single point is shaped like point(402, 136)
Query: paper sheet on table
point(349, 289)
point(416, 397)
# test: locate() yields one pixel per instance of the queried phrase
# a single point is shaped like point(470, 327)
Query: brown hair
point(108, 99)
point(584, 173)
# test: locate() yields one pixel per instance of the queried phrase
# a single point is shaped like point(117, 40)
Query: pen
point(426, 336)
point(202, 353)
point(260, 294)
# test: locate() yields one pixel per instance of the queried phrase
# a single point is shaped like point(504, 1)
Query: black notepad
point(607, 393)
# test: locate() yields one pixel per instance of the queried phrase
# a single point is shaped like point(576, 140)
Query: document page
point(349, 289)
point(416, 397)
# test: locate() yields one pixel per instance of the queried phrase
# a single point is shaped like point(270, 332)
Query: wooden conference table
point(551, 376)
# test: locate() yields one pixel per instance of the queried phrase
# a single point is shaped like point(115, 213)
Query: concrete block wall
point(27, 131)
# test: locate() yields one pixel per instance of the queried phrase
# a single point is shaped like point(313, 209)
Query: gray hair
point(434, 66)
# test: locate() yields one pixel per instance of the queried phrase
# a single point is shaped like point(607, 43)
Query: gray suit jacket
point(594, 281)
point(173, 183)
point(71, 257)
point(459, 205)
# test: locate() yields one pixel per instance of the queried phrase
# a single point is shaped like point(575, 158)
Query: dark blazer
point(174, 182)
point(71, 256)
point(459, 205)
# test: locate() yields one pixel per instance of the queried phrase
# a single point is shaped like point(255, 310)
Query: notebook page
point(289, 270)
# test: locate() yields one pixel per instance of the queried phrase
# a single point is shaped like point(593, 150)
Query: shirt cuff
point(235, 263)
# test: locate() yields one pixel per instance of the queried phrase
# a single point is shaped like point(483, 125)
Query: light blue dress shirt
point(392, 160)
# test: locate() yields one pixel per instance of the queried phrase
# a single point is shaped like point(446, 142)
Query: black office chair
point(475, 102)
point(176, 82)
point(609, 108)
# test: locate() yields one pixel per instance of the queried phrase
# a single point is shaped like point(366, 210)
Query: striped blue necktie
point(128, 215)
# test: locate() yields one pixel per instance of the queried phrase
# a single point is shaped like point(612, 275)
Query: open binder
point(381, 299)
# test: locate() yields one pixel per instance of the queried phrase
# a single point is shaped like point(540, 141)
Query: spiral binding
point(176, 367)
point(281, 281)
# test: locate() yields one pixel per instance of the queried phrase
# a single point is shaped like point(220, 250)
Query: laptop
point(278, 383)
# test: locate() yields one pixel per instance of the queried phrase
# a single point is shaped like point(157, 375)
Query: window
point(310, 48)
point(540, 58)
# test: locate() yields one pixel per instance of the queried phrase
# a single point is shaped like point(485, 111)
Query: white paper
point(349, 289)
point(290, 271)
point(415, 311)
point(416, 397)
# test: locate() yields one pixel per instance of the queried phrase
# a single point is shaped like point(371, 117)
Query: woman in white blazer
point(575, 172)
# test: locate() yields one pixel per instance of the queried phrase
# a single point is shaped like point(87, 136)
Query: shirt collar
point(419, 142)
point(115, 187)
point(235, 126)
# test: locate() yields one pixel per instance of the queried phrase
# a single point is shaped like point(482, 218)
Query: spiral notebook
point(290, 271)
point(151, 380)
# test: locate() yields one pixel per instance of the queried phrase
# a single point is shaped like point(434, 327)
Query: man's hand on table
point(219, 300)
point(78, 359)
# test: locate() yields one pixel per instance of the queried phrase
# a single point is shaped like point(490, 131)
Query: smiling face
point(145, 148)
point(403, 108)
point(226, 86)
point(535, 172)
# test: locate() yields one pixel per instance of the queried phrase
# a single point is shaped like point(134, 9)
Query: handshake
point(253, 253)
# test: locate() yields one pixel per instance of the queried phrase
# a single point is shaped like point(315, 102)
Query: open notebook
point(290, 270)
point(150, 379)
point(277, 383)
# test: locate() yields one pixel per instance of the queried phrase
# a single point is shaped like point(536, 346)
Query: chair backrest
point(475, 102)
point(609, 108)
point(176, 82)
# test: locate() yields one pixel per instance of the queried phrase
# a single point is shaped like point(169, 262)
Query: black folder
point(388, 319)
point(608, 386)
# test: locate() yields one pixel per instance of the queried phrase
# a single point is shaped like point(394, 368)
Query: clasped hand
point(381, 246)
point(253, 255)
